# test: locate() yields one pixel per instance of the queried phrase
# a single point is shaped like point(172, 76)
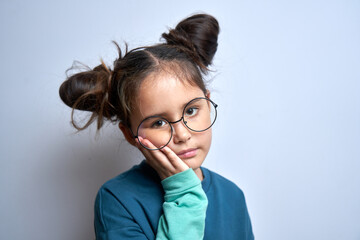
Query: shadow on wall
point(74, 171)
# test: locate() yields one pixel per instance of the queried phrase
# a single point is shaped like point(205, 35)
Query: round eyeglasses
point(198, 115)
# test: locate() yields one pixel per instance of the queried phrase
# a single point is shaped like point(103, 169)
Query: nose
point(181, 133)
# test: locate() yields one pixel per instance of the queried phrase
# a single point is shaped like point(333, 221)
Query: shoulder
point(132, 182)
point(220, 183)
point(133, 195)
point(129, 203)
point(130, 190)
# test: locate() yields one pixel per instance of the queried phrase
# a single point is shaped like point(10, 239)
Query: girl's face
point(163, 94)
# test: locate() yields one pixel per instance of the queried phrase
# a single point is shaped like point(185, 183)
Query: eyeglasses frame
point(171, 127)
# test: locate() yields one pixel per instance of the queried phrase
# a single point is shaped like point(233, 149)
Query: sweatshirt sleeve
point(184, 208)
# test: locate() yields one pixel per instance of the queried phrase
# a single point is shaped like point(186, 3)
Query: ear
point(127, 134)
point(207, 94)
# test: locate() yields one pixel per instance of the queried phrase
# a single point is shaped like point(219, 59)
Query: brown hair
point(110, 94)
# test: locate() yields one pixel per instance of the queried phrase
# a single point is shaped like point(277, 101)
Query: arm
point(185, 201)
point(184, 208)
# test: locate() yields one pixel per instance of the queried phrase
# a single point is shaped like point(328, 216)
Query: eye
point(158, 123)
point(191, 111)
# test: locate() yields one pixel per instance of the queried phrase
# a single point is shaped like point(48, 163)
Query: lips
point(188, 153)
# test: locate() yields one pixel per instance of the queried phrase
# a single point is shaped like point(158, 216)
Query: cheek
point(204, 139)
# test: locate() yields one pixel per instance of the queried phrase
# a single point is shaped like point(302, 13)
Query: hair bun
point(197, 33)
point(88, 91)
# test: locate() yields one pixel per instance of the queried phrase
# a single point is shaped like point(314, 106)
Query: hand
point(164, 161)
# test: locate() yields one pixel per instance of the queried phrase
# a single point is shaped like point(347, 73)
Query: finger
point(156, 157)
point(164, 161)
point(147, 153)
point(174, 159)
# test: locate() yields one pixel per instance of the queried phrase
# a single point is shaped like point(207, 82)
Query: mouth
point(188, 153)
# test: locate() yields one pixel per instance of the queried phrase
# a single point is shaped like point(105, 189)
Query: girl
point(158, 97)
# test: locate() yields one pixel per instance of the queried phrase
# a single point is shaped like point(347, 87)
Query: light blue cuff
point(180, 182)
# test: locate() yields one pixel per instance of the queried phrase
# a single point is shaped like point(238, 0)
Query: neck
point(199, 173)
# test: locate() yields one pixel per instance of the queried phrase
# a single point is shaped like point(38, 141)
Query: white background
point(287, 81)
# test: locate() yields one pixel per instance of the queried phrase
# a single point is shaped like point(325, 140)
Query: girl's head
point(142, 79)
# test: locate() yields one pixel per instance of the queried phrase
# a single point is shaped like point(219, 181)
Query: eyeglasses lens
point(199, 114)
point(157, 130)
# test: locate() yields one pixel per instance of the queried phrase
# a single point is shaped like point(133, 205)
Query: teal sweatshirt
point(138, 205)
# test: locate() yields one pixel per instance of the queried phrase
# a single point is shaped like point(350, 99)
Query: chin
point(193, 163)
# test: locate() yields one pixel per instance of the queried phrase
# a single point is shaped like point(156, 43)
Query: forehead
point(164, 93)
